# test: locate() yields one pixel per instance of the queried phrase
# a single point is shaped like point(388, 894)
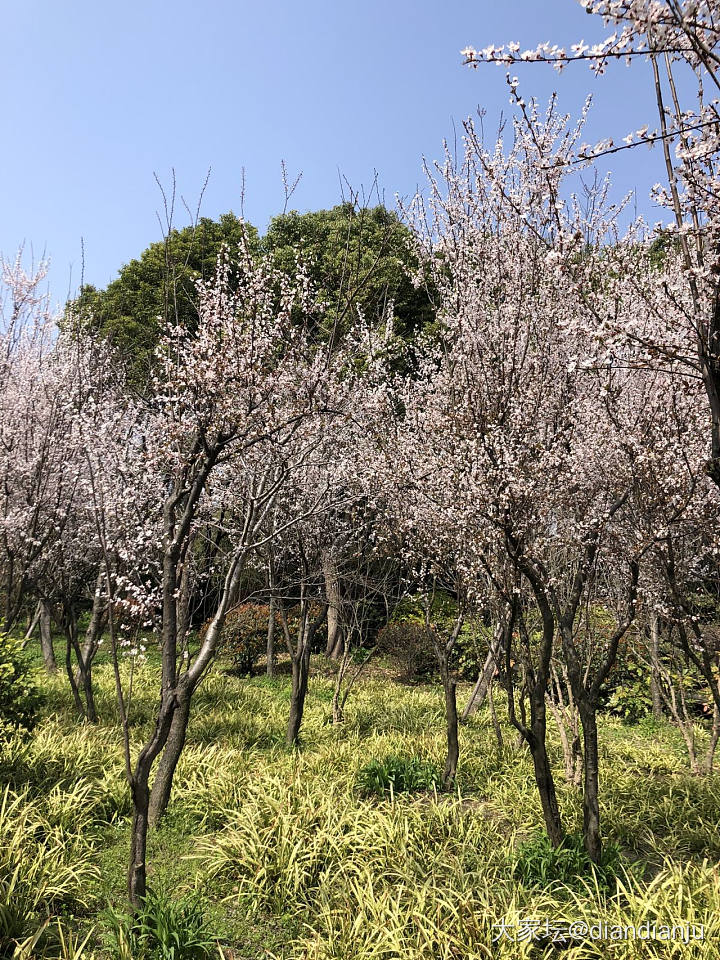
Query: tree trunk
point(79, 706)
point(493, 714)
point(546, 790)
point(451, 717)
point(334, 646)
point(270, 668)
point(137, 871)
point(543, 772)
point(86, 678)
point(300, 673)
point(46, 643)
point(480, 690)
point(712, 745)
point(162, 784)
point(32, 623)
point(655, 666)
point(338, 701)
point(591, 803)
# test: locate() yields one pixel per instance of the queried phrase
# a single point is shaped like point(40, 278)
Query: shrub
point(538, 863)
point(19, 694)
point(629, 695)
point(408, 643)
point(163, 929)
point(401, 774)
point(406, 639)
point(244, 635)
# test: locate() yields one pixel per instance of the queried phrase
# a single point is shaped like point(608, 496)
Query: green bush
point(402, 774)
point(19, 694)
point(244, 635)
point(163, 929)
point(628, 695)
point(538, 863)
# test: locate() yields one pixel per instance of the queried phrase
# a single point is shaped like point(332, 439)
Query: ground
point(280, 854)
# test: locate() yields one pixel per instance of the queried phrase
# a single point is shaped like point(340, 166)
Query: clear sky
point(97, 96)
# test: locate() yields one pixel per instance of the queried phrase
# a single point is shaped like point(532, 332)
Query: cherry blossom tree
point(215, 442)
point(680, 41)
point(524, 439)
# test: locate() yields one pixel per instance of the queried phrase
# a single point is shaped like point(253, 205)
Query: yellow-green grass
point(293, 862)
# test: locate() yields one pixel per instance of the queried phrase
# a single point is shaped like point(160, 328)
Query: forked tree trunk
point(79, 705)
point(163, 781)
point(536, 682)
point(562, 705)
point(480, 690)
point(140, 792)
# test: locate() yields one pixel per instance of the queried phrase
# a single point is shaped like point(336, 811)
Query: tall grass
point(290, 859)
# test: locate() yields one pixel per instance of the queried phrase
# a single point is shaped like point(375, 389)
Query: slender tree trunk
point(562, 705)
point(270, 669)
point(338, 701)
point(163, 781)
point(137, 871)
point(485, 676)
point(300, 674)
point(543, 774)
point(46, 643)
point(655, 666)
point(32, 623)
point(89, 695)
point(79, 706)
point(591, 803)
point(86, 655)
point(714, 736)
point(140, 791)
point(451, 717)
point(475, 701)
point(334, 646)
point(494, 716)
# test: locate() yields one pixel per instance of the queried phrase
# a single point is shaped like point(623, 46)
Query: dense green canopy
point(158, 287)
point(358, 259)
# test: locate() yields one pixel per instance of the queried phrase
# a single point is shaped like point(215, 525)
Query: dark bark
point(300, 656)
point(543, 772)
point(140, 792)
point(270, 669)
point(165, 773)
point(591, 802)
point(137, 871)
point(300, 674)
point(79, 705)
point(537, 676)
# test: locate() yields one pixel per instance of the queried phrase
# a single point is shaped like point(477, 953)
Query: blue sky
point(99, 96)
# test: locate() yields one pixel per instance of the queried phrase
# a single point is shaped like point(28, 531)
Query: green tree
point(358, 258)
point(157, 288)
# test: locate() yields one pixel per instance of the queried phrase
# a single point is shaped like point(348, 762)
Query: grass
point(308, 855)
